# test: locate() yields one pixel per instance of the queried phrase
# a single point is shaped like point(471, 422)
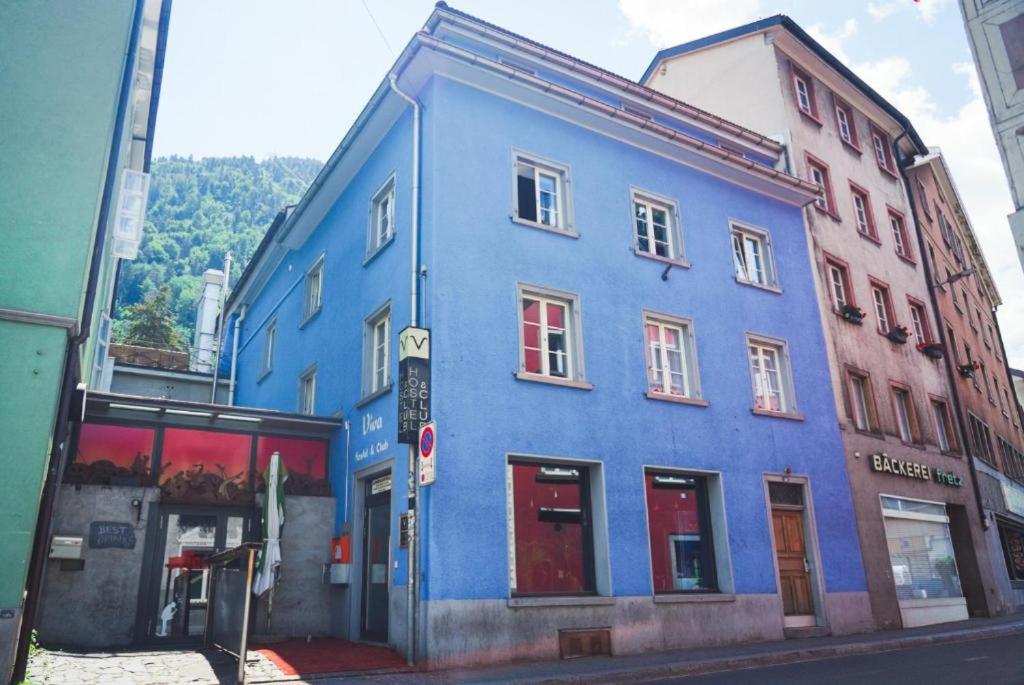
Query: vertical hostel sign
point(413, 383)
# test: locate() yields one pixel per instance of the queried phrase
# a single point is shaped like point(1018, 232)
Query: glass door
point(178, 577)
point(376, 558)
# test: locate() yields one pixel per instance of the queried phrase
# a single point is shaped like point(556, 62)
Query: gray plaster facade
point(189, 386)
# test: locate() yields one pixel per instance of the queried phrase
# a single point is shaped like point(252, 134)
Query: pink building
point(919, 519)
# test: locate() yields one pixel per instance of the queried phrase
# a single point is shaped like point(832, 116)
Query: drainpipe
point(412, 602)
point(234, 355)
point(930, 277)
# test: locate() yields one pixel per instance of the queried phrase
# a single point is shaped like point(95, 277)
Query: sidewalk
point(626, 669)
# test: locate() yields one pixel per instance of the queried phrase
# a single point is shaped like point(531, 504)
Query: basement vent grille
point(577, 643)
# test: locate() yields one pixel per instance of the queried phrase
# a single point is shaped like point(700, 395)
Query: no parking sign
point(427, 447)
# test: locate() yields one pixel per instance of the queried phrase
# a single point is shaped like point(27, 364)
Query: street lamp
point(957, 276)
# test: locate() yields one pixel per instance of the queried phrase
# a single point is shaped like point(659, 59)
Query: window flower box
point(932, 350)
point(853, 314)
point(967, 370)
point(898, 334)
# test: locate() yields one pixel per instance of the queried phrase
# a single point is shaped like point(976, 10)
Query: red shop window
point(111, 455)
point(205, 467)
point(553, 540)
point(682, 555)
point(306, 461)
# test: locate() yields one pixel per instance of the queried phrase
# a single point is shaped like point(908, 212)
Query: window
point(862, 213)
point(307, 391)
point(951, 340)
point(679, 525)
point(818, 173)
point(838, 283)
point(1013, 460)
point(1013, 547)
point(919, 321)
point(999, 396)
point(906, 416)
point(1007, 405)
point(269, 342)
point(107, 453)
point(377, 352)
point(970, 317)
point(552, 549)
point(844, 122)
point(990, 338)
point(550, 342)
point(803, 90)
point(981, 439)
point(314, 289)
point(900, 237)
point(978, 320)
point(752, 256)
point(656, 225)
point(988, 387)
point(223, 459)
point(671, 359)
point(541, 193)
point(944, 431)
point(922, 197)
point(883, 153)
point(306, 461)
point(884, 314)
point(920, 549)
point(770, 374)
point(862, 408)
point(1011, 32)
point(382, 217)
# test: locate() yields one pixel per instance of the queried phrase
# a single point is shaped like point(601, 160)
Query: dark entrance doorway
point(175, 582)
point(376, 558)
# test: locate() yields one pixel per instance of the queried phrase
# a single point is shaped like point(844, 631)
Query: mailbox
point(63, 547)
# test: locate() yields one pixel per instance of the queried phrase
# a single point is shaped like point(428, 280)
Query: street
point(998, 661)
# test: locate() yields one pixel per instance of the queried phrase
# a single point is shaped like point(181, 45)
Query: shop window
point(205, 467)
point(679, 524)
point(552, 546)
point(111, 455)
point(671, 357)
point(920, 549)
point(541, 193)
point(306, 461)
point(656, 227)
point(1013, 551)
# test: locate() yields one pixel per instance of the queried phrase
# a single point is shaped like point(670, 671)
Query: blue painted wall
point(475, 256)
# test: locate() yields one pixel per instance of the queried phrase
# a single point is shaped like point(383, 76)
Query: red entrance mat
point(329, 655)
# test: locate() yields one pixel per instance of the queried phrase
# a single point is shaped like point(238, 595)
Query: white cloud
point(669, 22)
point(881, 10)
point(833, 40)
point(926, 9)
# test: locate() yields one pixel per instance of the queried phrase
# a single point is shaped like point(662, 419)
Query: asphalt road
point(998, 661)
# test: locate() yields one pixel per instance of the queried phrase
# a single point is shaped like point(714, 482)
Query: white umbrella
point(273, 520)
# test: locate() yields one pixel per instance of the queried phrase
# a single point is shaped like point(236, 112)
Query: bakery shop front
point(925, 513)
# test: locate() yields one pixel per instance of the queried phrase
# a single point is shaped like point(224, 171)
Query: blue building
point(636, 433)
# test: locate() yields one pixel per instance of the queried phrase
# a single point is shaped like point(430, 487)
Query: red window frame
point(812, 99)
point(830, 199)
point(908, 249)
point(869, 215)
point(854, 141)
point(919, 306)
point(844, 270)
point(890, 166)
point(922, 196)
point(890, 311)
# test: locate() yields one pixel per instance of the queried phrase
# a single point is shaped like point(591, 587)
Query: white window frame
point(573, 333)
point(862, 212)
point(563, 199)
point(374, 355)
point(803, 97)
point(881, 310)
point(843, 123)
point(917, 322)
point(375, 242)
point(941, 434)
point(839, 300)
point(860, 387)
point(688, 350)
point(312, 301)
point(899, 234)
point(739, 230)
point(307, 390)
point(787, 393)
point(269, 344)
point(819, 176)
point(674, 231)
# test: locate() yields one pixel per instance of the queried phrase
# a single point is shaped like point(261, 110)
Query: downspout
point(412, 603)
point(61, 434)
point(930, 277)
point(234, 355)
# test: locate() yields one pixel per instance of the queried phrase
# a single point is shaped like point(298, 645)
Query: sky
point(268, 78)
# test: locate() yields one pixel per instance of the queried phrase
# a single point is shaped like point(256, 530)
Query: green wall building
point(80, 83)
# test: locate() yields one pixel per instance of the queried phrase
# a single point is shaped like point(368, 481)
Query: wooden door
point(791, 551)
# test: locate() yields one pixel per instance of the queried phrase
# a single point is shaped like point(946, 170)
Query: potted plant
point(932, 350)
point(898, 334)
point(967, 370)
point(852, 313)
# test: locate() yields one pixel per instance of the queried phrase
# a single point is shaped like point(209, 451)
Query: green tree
point(150, 323)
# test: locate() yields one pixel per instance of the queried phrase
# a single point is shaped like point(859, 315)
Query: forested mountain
point(198, 210)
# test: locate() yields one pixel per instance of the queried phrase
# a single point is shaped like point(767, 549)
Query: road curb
point(691, 668)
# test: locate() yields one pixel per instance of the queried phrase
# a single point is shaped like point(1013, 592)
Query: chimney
point(205, 340)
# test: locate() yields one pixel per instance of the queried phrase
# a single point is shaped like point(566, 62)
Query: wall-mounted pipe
point(234, 354)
